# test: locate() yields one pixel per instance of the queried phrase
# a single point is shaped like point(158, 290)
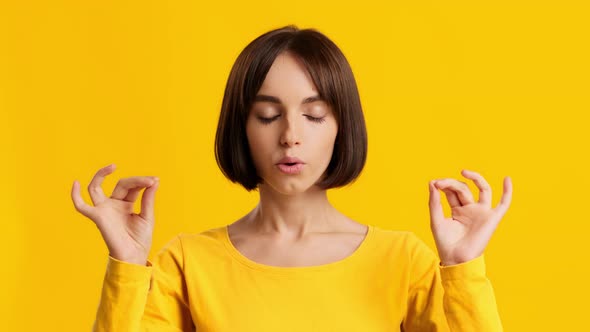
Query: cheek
point(257, 141)
point(326, 148)
point(330, 136)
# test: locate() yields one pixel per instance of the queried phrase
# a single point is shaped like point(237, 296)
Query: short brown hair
point(334, 80)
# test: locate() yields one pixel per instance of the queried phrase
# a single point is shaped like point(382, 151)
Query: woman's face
point(287, 121)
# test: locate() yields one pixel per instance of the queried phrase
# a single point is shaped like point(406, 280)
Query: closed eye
point(269, 120)
point(318, 120)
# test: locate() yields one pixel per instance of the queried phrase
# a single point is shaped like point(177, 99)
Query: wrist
point(139, 260)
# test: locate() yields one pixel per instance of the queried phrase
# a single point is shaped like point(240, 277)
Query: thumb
point(436, 211)
point(79, 203)
point(147, 201)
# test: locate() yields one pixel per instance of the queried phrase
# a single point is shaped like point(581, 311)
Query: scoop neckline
point(298, 270)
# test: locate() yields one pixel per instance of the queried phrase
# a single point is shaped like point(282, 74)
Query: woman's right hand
point(128, 235)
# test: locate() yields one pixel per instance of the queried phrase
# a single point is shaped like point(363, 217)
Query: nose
point(290, 131)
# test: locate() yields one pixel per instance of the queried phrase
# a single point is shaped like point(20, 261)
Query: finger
point(452, 198)
point(436, 210)
point(485, 191)
point(461, 190)
point(506, 199)
point(451, 195)
point(95, 189)
point(147, 201)
point(79, 203)
point(124, 187)
point(134, 192)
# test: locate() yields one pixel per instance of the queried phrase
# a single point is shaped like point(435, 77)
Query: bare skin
point(128, 235)
point(312, 248)
point(294, 215)
point(294, 224)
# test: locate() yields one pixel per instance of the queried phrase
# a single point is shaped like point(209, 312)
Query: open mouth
point(290, 168)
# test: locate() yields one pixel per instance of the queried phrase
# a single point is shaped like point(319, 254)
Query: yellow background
point(500, 88)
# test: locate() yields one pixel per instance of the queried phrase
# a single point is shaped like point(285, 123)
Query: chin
point(289, 186)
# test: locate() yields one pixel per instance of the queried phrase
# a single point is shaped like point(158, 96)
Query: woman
point(291, 126)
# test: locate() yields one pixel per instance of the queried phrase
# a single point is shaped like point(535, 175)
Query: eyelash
point(269, 120)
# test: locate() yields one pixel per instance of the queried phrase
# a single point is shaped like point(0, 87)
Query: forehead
point(286, 77)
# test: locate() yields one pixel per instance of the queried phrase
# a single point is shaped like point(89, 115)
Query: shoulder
point(187, 250)
point(409, 254)
point(394, 238)
point(202, 239)
point(402, 243)
point(181, 242)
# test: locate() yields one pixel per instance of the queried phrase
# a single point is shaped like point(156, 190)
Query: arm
point(136, 295)
point(449, 298)
point(453, 293)
point(145, 298)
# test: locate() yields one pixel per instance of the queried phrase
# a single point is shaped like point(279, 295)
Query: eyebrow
point(273, 99)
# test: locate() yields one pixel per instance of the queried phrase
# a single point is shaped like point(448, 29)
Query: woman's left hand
point(464, 235)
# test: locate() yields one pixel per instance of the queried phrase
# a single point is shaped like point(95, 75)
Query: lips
point(290, 161)
point(290, 168)
point(290, 165)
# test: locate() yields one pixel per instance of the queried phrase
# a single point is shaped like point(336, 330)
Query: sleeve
point(449, 298)
point(138, 298)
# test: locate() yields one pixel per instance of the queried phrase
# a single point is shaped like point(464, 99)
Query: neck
point(294, 215)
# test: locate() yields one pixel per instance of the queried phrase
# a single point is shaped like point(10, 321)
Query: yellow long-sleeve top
point(392, 282)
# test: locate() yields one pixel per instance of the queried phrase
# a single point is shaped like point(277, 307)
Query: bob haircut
point(334, 80)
